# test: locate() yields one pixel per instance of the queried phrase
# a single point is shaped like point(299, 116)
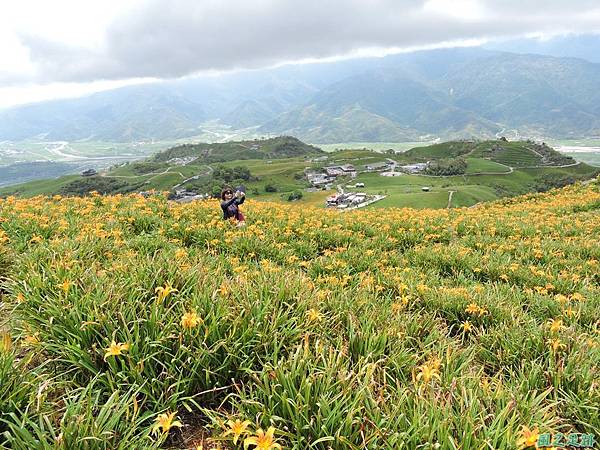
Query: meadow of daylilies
point(136, 323)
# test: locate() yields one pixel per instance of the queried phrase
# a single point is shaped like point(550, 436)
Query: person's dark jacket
point(230, 208)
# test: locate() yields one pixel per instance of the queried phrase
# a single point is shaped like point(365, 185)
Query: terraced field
point(516, 157)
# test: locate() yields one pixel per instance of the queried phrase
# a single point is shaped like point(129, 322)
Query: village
point(328, 176)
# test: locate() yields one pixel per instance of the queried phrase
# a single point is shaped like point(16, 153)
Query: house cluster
point(182, 161)
point(346, 200)
point(351, 200)
point(390, 168)
point(185, 196)
point(414, 168)
point(382, 166)
point(329, 174)
point(343, 170)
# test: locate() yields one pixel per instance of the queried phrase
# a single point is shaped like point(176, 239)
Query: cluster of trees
point(289, 147)
point(102, 185)
point(294, 195)
point(146, 167)
point(446, 167)
point(232, 174)
point(549, 155)
point(554, 180)
point(221, 176)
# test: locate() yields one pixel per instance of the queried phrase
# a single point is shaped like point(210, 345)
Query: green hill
point(509, 153)
point(274, 148)
point(488, 170)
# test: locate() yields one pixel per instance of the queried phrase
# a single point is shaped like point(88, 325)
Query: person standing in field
point(230, 203)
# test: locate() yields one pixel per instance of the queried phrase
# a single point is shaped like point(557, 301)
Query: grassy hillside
point(131, 322)
point(510, 153)
point(494, 169)
point(280, 147)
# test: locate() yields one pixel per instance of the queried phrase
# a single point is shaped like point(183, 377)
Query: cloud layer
point(181, 37)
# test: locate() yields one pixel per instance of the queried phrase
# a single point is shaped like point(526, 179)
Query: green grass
point(442, 150)
point(262, 168)
point(589, 142)
point(418, 200)
point(476, 165)
point(470, 195)
point(39, 187)
point(314, 199)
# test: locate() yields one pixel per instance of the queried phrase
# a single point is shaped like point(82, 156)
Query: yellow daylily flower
point(190, 320)
point(164, 291)
point(528, 437)
point(236, 428)
point(429, 371)
point(262, 440)
point(472, 308)
point(556, 345)
point(314, 315)
point(115, 349)
point(555, 325)
point(65, 286)
point(223, 290)
point(466, 326)
point(164, 422)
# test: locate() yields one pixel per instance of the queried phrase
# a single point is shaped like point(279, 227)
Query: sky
point(62, 48)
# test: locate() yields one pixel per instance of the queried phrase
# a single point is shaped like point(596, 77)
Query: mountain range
point(448, 93)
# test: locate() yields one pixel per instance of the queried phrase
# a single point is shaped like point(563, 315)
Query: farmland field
point(132, 322)
point(63, 151)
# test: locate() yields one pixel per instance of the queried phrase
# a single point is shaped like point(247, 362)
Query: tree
point(216, 191)
point(270, 188)
point(295, 195)
point(446, 167)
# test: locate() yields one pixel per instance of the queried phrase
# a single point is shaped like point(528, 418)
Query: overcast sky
point(68, 47)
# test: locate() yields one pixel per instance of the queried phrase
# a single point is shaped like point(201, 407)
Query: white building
point(414, 168)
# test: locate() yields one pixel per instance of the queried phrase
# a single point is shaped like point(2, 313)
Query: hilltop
point(273, 148)
point(132, 322)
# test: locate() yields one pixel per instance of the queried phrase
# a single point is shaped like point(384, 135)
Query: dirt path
point(195, 177)
point(155, 174)
point(450, 193)
point(511, 170)
point(551, 167)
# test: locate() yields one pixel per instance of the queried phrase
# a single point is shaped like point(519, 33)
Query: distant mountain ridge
point(450, 93)
point(534, 95)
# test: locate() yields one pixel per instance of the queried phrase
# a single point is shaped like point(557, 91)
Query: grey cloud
point(180, 37)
